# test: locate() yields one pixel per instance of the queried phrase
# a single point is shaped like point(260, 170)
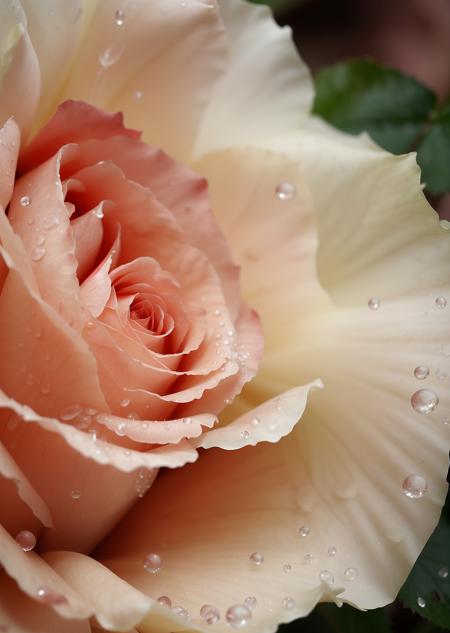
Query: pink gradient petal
point(95, 290)
point(88, 235)
point(9, 150)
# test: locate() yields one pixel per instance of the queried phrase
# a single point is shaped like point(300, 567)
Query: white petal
point(266, 89)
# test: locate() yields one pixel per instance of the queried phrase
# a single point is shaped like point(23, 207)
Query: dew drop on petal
point(152, 563)
point(374, 303)
point(245, 435)
point(326, 576)
point(50, 223)
point(446, 420)
point(210, 614)
point(119, 17)
point(256, 558)
point(181, 611)
point(49, 596)
point(187, 420)
point(125, 403)
point(304, 530)
point(165, 601)
point(440, 302)
point(98, 212)
point(424, 401)
point(288, 603)
point(256, 421)
point(238, 616)
point(75, 493)
point(250, 602)
point(414, 486)
point(287, 568)
point(421, 602)
point(351, 573)
point(308, 558)
point(443, 572)
point(441, 374)
point(285, 191)
point(25, 201)
point(421, 372)
point(332, 551)
point(26, 540)
point(37, 253)
point(138, 95)
point(70, 412)
point(111, 55)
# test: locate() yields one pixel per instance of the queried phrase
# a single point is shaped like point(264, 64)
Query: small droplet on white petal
point(256, 558)
point(165, 601)
point(374, 303)
point(37, 253)
point(332, 551)
point(440, 302)
point(49, 596)
point(245, 435)
point(288, 603)
point(181, 611)
point(25, 201)
point(250, 602)
point(285, 191)
point(119, 17)
point(210, 614)
point(238, 616)
point(445, 420)
point(308, 558)
point(414, 486)
point(421, 602)
point(304, 530)
point(187, 420)
point(421, 372)
point(26, 540)
point(443, 572)
point(138, 95)
point(287, 568)
point(152, 563)
point(441, 374)
point(326, 576)
point(50, 223)
point(256, 421)
point(351, 573)
point(424, 401)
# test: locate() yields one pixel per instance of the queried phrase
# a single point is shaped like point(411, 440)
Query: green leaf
point(361, 96)
point(346, 619)
point(433, 153)
point(426, 582)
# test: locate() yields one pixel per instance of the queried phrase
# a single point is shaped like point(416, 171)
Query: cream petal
point(54, 29)
point(24, 615)
point(116, 605)
point(10, 470)
point(268, 422)
point(233, 503)
point(20, 82)
point(115, 65)
point(265, 91)
point(9, 150)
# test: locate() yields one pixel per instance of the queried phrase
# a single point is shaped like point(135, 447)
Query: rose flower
point(194, 269)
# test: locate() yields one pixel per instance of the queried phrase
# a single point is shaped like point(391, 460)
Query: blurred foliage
point(398, 112)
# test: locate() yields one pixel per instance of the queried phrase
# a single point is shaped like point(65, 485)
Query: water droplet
point(256, 558)
point(120, 428)
point(238, 616)
point(165, 601)
point(421, 372)
point(441, 374)
point(256, 421)
point(421, 602)
point(119, 17)
point(49, 596)
point(304, 530)
point(287, 568)
point(111, 55)
point(40, 240)
point(70, 412)
point(26, 540)
point(424, 401)
point(285, 191)
point(125, 403)
point(245, 435)
point(441, 302)
point(152, 563)
point(98, 212)
point(50, 223)
point(187, 420)
point(181, 611)
point(25, 201)
point(250, 602)
point(332, 551)
point(308, 558)
point(351, 573)
point(443, 572)
point(138, 95)
point(326, 576)
point(414, 486)
point(445, 420)
point(210, 614)
point(288, 603)
point(75, 493)
point(37, 253)
point(374, 303)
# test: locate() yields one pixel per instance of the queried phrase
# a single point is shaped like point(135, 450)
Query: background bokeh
point(412, 36)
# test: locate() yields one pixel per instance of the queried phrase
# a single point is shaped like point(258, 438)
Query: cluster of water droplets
point(38, 251)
